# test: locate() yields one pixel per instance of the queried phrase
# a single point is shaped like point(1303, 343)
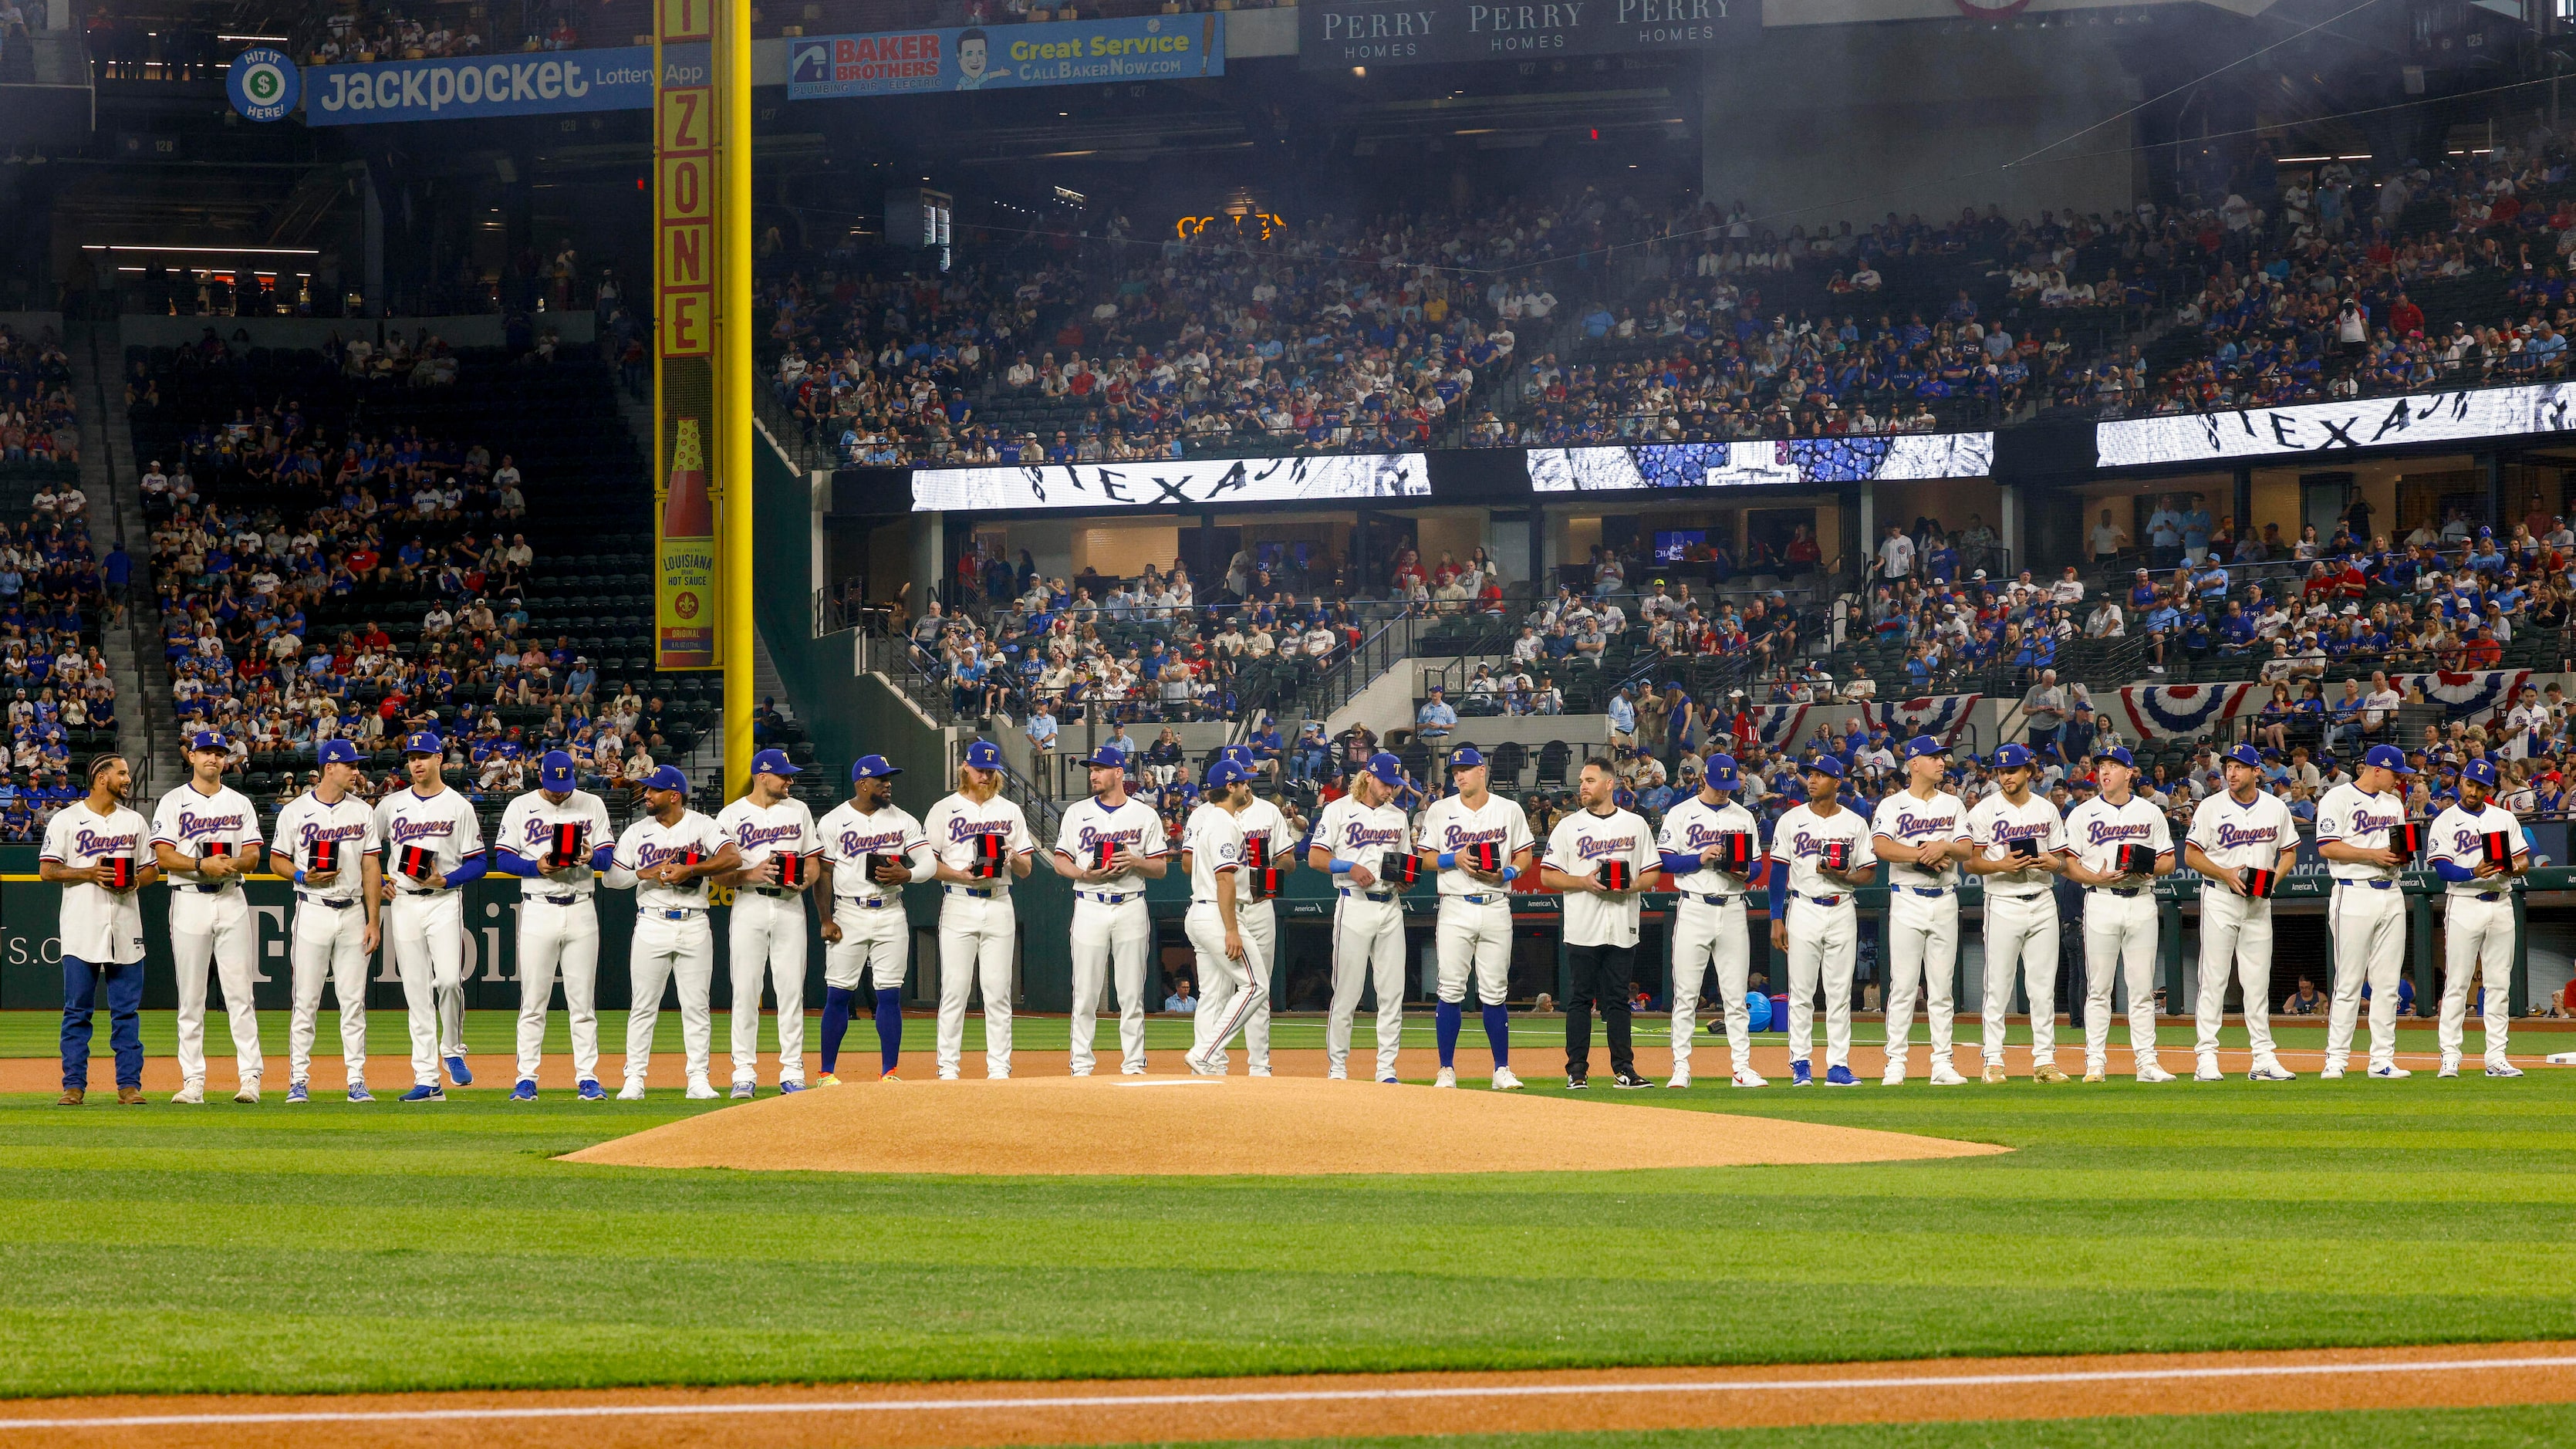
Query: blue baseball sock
point(889, 1026)
point(1448, 1015)
point(1498, 1033)
point(836, 1024)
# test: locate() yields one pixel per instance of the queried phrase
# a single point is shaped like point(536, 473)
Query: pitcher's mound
point(1226, 1126)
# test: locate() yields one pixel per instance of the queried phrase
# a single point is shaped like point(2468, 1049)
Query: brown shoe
point(71, 1097)
point(2047, 1073)
point(129, 1096)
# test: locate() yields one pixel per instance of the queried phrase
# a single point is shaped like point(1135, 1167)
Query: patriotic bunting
point(1941, 716)
point(2186, 711)
point(2463, 695)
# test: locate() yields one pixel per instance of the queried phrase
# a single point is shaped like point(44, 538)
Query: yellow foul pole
point(732, 67)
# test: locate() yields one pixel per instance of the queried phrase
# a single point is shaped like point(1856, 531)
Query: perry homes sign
point(1005, 57)
point(1336, 33)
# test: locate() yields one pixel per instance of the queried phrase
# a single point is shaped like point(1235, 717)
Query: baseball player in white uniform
point(433, 844)
point(2119, 910)
point(205, 837)
point(2356, 823)
point(1921, 832)
point(1231, 978)
point(976, 830)
point(1601, 858)
point(867, 939)
point(1110, 845)
point(1266, 829)
point(766, 930)
point(1475, 929)
point(2018, 841)
point(1813, 921)
point(1353, 842)
point(338, 924)
point(558, 915)
point(101, 924)
point(2244, 828)
point(666, 856)
point(1708, 921)
point(2477, 916)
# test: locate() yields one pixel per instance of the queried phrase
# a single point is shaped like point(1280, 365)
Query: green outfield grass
point(2516, 1428)
point(339, 1247)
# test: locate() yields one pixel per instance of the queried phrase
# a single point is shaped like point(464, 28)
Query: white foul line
point(1301, 1396)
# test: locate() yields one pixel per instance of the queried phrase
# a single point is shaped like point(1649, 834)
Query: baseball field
point(345, 1251)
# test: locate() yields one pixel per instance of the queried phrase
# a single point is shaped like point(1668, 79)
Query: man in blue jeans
point(94, 849)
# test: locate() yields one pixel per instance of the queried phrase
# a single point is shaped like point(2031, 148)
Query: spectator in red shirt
point(2405, 318)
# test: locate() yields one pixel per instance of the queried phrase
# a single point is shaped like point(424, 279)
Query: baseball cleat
point(1994, 1072)
point(296, 1092)
point(1576, 1084)
point(590, 1091)
point(425, 1092)
point(1201, 1067)
point(1801, 1074)
point(1628, 1081)
point(701, 1090)
point(2333, 1072)
point(2391, 1071)
point(1448, 1077)
point(789, 1084)
point(888, 1077)
point(1747, 1077)
point(190, 1094)
point(525, 1091)
point(1946, 1075)
point(1337, 1074)
point(2208, 1071)
point(2095, 1074)
point(743, 1091)
point(1680, 1081)
point(2047, 1072)
point(2269, 1069)
point(2503, 1069)
point(631, 1092)
point(949, 1074)
point(827, 1080)
point(1389, 1081)
point(456, 1072)
point(1839, 1076)
point(1265, 1071)
point(1504, 1080)
point(2450, 1066)
point(358, 1092)
point(248, 1093)
point(991, 1076)
point(2153, 1073)
point(1894, 1076)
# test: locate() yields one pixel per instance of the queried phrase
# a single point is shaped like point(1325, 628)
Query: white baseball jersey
point(2458, 836)
point(648, 843)
point(1994, 823)
point(2235, 835)
point(1133, 826)
point(1798, 843)
point(1448, 826)
point(443, 824)
point(98, 925)
point(1693, 826)
point(1213, 840)
point(1262, 820)
point(849, 838)
point(527, 830)
point(187, 821)
point(1356, 832)
point(761, 831)
point(1909, 821)
point(1577, 846)
point(351, 824)
point(2355, 818)
point(2096, 829)
point(955, 822)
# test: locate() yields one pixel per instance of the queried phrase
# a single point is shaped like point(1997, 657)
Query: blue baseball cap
point(2387, 757)
point(1388, 769)
point(2245, 755)
point(773, 762)
point(984, 755)
point(1923, 747)
point(873, 767)
point(1104, 758)
point(668, 777)
point(1240, 754)
point(1824, 765)
point(2011, 757)
point(554, 772)
point(2121, 754)
point(1466, 757)
point(2482, 771)
point(423, 742)
point(336, 752)
point(1722, 773)
point(205, 740)
point(1223, 773)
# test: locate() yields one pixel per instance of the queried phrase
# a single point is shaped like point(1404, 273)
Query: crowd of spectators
point(38, 422)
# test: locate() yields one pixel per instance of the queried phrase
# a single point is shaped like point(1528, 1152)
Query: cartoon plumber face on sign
point(973, 52)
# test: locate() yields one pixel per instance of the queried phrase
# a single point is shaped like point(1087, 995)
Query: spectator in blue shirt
point(1436, 718)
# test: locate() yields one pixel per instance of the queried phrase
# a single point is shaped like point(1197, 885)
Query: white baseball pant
point(1823, 944)
point(426, 930)
point(2119, 933)
point(330, 946)
point(2021, 932)
point(216, 930)
point(1368, 949)
point(2476, 936)
point(667, 950)
point(2370, 945)
point(1258, 921)
point(767, 933)
point(1922, 959)
point(1475, 939)
point(563, 939)
point(1708, 935)
point(875, 949)
point(1228, 989)
point(2237, 931)
point(1104, 933)
point(976, 936)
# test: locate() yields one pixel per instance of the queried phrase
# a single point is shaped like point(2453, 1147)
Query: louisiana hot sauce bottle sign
point(687, 563)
